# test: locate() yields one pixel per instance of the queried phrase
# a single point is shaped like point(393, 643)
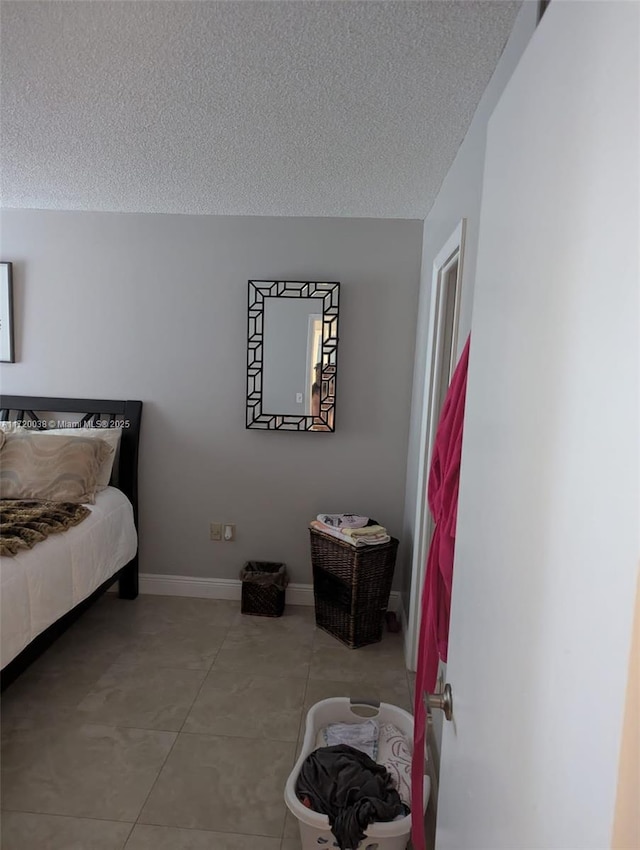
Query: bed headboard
point(125, 413)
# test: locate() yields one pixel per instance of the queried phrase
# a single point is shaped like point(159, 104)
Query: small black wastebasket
point(263, 588)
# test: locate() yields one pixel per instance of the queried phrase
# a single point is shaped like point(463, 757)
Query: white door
point(547, 547)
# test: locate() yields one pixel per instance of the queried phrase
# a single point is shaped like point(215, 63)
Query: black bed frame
point(93, 412)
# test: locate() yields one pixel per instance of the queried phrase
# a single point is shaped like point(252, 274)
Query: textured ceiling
point(326, 108)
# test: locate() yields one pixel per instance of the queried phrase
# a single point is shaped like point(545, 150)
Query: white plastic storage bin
point(314, 827)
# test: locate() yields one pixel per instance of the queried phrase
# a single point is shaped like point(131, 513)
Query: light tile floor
point(172, 723)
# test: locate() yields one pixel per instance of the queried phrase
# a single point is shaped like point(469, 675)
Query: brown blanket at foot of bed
point(24, 523)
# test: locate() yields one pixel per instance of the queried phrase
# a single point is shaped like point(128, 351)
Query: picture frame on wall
point(6, 314)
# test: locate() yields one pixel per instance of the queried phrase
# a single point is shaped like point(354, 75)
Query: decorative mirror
point(292, 355)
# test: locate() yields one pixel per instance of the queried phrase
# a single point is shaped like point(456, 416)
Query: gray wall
point(154, 307)
point(458, 198)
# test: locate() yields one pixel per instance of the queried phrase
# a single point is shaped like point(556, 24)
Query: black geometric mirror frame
point(329, 293)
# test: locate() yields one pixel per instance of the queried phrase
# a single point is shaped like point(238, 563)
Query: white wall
point(459, 197)
point(155, 307)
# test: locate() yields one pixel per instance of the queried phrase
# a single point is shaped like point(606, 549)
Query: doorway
point(442, 344)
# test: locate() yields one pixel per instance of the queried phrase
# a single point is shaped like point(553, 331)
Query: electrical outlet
point(229, 532)
point(215, 531)
point(299, 398)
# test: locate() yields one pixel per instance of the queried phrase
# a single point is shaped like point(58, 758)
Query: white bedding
point(39, 585)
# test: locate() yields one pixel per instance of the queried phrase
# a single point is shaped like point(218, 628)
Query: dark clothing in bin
point(352, 789)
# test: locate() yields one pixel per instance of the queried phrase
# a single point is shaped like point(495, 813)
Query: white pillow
point(54, 467)
point(394, 754)
point(111, 436)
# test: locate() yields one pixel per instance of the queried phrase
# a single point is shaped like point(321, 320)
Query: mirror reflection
point(291, 359)
point(292, 355)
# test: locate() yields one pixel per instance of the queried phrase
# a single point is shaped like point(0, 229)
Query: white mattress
point(39, 585)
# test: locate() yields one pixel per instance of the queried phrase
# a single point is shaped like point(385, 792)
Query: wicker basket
point(259, 599)
point(351, 587)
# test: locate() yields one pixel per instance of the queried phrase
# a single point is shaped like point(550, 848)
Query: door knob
point(442, 700)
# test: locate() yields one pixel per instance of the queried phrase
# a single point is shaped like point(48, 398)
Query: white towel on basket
point(343, 520)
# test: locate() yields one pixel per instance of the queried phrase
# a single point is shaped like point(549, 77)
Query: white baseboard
point(231, 588)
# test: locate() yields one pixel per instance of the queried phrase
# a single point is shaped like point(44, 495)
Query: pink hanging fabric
point(442, 493)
